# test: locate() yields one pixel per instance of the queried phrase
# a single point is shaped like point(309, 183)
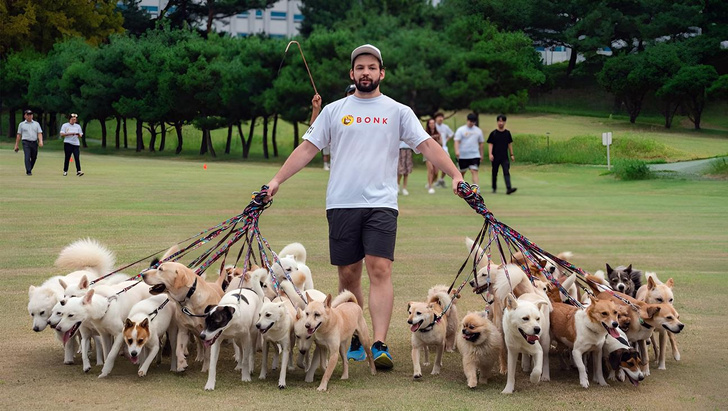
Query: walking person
point(431, 169)
point(364, 132)
point(30, 133)
point(469, 147)
point(71, 133)
point(500, 144)
point(404, 167)
point(446, 134)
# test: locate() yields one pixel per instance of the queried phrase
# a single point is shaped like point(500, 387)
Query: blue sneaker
point(356, 350)
point(382, 357)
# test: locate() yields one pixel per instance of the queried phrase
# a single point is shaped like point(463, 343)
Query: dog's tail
point(565, 255)
point(345, 296)
point(477, 252)
point(86, 254)
point(655, 280)
point(440, 297)
point(516, 276)
point(297, 250)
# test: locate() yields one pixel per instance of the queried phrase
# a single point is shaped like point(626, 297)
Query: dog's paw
point(585, 383)
point(426, 363)
point(472, 386)
point(142, 373)
point(417, 376)
point(86, 369)
point(603, 383)
point(676, 356)
point(545, 378)
point(321, 388)
point(507, 391)
point(307, 379)
point(535, 377)
point(210, 387)
point(435, 371)
point(246, 379)
point(282, 387)
point(70, 362)
point(503, 370)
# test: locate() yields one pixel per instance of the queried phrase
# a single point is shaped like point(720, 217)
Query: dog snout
point(681, 326)
point(615, 324)
point(36, 328)
point(257, 325)
point(472, 283)
point(303, 352)
point(134, 353)
point(620, 287)
point(537, 330)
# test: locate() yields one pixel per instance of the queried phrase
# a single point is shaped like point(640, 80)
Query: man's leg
point(507, 174)
point(476, 179)
point(26, 155)
point(494, 175)
point(67, 150)
point(33, 154)
point(381, 294)
point(350, 279)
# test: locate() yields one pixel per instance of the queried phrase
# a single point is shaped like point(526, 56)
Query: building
point(282, 20)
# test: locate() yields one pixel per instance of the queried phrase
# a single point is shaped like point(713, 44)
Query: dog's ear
point(145, 323)
point(299, 313)
point(62, 283)
point(208, 308)
point(308, 297)
point(615, 358)
point(83, 284)
point(31, 290)
point(511, 302)
point(651, 283)
point(409, 304)
point(179, 279)
point(652, 311)
point(542, 263)
point(327, 302)
point(670, 283)
point(609, 269)
point(593, 299)
point(87, 298)
point(628, 270)
point(128, 324)
point(171, 251)
point(155, 261)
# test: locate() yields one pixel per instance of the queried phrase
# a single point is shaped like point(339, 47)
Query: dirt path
point(687, 167)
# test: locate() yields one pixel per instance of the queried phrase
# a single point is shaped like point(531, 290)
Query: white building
point(282, 20)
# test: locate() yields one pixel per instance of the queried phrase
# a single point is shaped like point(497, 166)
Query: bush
point(631, 169)
point(718, 167)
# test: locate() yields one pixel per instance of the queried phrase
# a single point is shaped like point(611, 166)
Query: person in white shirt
point(364, 132)
point(469, 147)
point(446, 134)
point(30, 133)
point(71, 132)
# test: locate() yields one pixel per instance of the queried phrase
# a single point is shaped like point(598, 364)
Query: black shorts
point(468, 163)
point(356, 232)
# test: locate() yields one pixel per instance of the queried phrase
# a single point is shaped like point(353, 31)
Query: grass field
point(136, 206)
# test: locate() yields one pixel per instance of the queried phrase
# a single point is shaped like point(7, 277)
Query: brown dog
point(429, 328)
point(332, 326)
point(480, 345)
point(655, 292)
point(189, 291)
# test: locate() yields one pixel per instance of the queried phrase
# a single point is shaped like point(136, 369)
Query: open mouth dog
point(69, 334)
point(531, 339)
point(208, 343)
point(472, 337)
point(416, 326)
point(611, 331)
point(157, 289)
point(265, 330)
point(313, 330)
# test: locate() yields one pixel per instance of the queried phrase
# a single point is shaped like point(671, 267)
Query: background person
point(500, 143)
point(469, 147)
point(404, 166)
point(71, 132)
point(364, 132)
point(431, 169)
point(30, 133)
point(446, 134)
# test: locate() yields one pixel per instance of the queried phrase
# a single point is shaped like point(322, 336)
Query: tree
point(190, 13)
point(691, 84)
point(629, 79)
point(136, 19)
point(15, 73)
point(39, 24)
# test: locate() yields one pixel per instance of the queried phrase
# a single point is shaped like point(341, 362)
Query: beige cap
point(366, 49)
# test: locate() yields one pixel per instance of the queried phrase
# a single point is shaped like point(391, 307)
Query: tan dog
point(429, 329)
point(452, 316)
point(480, 345)
point(332, 326)
point(584, 331)
point(655, 292)
point(189, 291)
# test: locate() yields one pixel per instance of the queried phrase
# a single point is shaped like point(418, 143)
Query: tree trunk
point(209, 143)
point(242, 136)
point(265, 137)
point(572, 62)
point(103, 132)
point(229, 138)
point(13, 127)
point(273, 139)
point(203, 143)
point(118, 131)
point(126, 135)
point(54, 123)
point(246, 146)
point(139, 135)
point(83, 136)
point(153, 138)
point(178, 129)
point(163, 137)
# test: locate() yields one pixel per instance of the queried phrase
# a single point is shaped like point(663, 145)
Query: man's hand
point(40, 143)
point(513, 158)
point(316, 102)
point(490, 156)
point(455, 183)
point(272, 190)
point(16, 149)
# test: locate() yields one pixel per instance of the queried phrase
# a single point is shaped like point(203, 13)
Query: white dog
point(523, 326)
point(275, 323)
point(233, 318)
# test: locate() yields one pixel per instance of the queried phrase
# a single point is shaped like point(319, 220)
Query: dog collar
point(435, 320)
point(192, 289)
point(644, 324)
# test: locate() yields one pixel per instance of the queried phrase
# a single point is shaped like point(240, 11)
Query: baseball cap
point(28, 112)
point(366, 49)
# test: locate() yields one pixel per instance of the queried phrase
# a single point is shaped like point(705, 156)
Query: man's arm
point(315, 107)
point(301, 156)
point(40, 139)
point(480, 149)
point(490, 151)
point(17, 141)
point(434, 152)
point(510, 149)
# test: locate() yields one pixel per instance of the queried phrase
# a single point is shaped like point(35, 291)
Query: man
point(364, 132)
point(32, 136)
point(316, 109)
point(446, 134)
point(469, 147)
point(500, 143)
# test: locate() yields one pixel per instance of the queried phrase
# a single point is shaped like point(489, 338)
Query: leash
point(156, 311)
point(304, 62)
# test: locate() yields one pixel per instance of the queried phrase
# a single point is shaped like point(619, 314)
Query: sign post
point(607, 141)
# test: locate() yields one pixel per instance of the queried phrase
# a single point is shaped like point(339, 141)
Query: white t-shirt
point(364, 136)
point(470, 139)
point(71, 128)
point(445, 133)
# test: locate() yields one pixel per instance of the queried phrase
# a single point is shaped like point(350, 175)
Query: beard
point(373, 84)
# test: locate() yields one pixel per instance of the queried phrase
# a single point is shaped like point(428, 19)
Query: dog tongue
point(415, 327)
point(67, 336)
point(134, 360)
point(613, 332)
point(532, 338)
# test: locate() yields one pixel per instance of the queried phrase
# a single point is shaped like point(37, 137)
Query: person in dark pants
point(71, 132)
point(500, 144)
point(30, 133)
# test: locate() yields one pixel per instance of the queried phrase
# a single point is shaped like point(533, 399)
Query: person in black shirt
point(500, 143)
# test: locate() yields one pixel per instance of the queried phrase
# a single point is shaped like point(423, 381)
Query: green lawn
point(136, 206)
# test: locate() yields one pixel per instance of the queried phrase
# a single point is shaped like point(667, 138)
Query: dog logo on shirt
point(347, 120)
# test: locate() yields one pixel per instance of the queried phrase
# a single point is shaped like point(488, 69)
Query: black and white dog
point(624, 279)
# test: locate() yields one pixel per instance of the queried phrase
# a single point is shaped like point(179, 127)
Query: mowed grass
point(137, 206)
